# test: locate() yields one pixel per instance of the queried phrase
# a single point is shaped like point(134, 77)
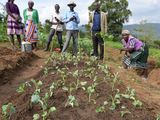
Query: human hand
point(121, 50)
point(72, 18)
point(57, 19)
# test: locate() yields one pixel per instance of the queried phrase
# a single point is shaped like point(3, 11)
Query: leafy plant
point(123, 113)
point(23, 87)
point(102, 108)
point(114, 81)
point(7, 111)
point(158, 117)
point(72, 101)
point(91, 90)
point(130, 94)
point(115, 100)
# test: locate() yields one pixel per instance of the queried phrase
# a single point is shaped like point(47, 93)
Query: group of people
point(136, 52)
point(70, 19)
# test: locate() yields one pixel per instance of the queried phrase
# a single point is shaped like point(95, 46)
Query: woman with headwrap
point(136, 52)
point(31, 20)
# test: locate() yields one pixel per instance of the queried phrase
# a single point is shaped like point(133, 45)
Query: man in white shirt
point(57, 28)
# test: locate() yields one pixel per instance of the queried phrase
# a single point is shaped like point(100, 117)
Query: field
point(49, 86)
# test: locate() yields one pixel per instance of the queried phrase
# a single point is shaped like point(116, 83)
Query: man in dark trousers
point(72, 20)
point(98, 22)
point(57, 28)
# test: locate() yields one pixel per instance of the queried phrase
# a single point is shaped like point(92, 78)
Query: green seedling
point(158, 117)
point(130, 94)
point(103, 68)
point(102, 108)
point(37, 85)
point(115, 100)
point(114, 81)
point(69, 89)
point(76, 75)
point(83, 84)
point(23, 87)
point(91, 90)
point(7, 111)
point(137, 103)
point(36, 117)
point(72, 101)
point(62, 75)
point(46, 71)
point(52, 88)
point(123, 113)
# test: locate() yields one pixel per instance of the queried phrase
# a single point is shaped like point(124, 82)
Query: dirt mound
point(10, 61)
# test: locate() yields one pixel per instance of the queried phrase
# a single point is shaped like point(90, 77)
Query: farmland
point(42, 85)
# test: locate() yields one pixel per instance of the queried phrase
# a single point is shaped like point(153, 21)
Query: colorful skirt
point(14, 28)
point(137, 59)
point(31, 32)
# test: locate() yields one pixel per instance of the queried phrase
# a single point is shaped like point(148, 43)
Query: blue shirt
point(71, 25)
point(96, 22)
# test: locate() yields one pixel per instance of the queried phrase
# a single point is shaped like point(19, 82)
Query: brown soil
point(16, 68)
point(147, 90)
point(85, 110)
point(30, 66)
point(11, 61)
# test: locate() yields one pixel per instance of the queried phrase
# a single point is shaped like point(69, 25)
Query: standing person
point(31, 20)
point(72, 20)
point(14, 24)
point(57, 26)
point(136, 52)
point(98, 22)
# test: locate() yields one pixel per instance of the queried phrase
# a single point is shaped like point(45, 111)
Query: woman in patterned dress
point(14, 24)
point(31, 20)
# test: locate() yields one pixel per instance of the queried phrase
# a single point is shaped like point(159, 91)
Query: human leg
point(51, 34)
point(95, 43)
point(66, 44)
point(59, 36)
point(19, 40)
point(75, 42)
point(101, 44)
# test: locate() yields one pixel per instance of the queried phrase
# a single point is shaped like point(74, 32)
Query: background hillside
point(150, 27)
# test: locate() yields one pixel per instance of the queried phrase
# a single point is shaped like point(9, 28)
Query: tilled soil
point(17, 67)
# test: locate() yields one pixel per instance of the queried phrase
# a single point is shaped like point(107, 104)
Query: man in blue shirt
point(98, 20)
point(72, 20)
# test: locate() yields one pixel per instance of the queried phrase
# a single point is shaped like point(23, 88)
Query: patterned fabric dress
point(31, 31)
point(13, 28)
point(138, 58)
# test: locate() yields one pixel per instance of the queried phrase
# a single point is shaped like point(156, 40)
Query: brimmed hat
point(127, 32)
point(71, 4)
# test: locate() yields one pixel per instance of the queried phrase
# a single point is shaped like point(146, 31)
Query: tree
point(118, 13)
point(3, 23)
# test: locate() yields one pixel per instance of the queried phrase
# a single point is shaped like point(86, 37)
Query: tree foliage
point(118, 13)
point(3, 23)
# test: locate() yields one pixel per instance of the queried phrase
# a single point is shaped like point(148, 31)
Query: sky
point(141, 9)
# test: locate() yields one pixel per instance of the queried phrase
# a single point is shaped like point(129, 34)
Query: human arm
point(24, 16)
point(127, 50)
point(37, 17)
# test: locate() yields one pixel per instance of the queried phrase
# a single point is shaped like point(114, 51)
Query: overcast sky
point(141, 9)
